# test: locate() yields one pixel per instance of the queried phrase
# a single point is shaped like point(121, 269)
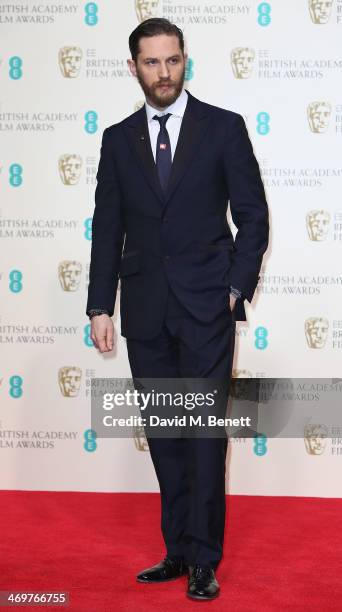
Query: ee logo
point(189, 69)
point(88, 228)
point(91, 17)
point(15, 281)
point(90, 444)
point(261, 338)
point(263, 121)
point(15, 175)
point(264, 16)
point(260, 444)
point(87, 340)
point(16, 386)
point(90, 119)
point(15, 67)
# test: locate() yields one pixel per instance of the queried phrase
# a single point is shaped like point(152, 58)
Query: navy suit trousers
point(190, 471)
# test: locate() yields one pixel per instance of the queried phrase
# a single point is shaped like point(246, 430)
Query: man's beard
point(164, 100)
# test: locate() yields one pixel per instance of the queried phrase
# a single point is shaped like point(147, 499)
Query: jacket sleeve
point(248, 207)
point(107, 234)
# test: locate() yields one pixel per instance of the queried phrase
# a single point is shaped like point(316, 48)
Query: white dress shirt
point(173, 124)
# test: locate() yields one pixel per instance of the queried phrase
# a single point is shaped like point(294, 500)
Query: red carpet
point(281, 553)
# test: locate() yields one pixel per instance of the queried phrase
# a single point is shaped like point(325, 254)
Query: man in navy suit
point(165, 177)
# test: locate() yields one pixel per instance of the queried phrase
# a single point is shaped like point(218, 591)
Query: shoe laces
point(201, 572)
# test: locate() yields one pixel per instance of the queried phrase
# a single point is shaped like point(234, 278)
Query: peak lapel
point(192, 131)
point(139, 139)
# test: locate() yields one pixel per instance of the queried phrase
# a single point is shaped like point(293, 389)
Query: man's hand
point(232, 300)
point(102, 332)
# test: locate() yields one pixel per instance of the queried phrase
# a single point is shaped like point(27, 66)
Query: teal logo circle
point(88, 228)
point(261, 338)
point(263, 123)
point(264, 14)
point(15, 67)
point(90, 444)
point(15, 383)
point(15, 175)
point(87, 339)
point(260, 444)
point(91, 17)
point(15, 281)
point(90, 119)
point(189, 69)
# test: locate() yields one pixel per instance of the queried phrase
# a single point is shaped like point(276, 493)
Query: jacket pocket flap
point(229, 246)
point(130, 263)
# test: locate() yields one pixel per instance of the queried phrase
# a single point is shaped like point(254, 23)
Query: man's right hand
point(102, 332)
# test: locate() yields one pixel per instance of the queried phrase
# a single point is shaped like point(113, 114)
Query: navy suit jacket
point(181, 238)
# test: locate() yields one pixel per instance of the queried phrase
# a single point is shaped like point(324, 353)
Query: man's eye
point(174, 60)
point(152, 62)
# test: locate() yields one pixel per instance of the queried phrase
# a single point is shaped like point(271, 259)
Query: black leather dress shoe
point(202, 583)
point(168, 569)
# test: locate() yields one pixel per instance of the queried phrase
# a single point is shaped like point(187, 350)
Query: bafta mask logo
point(140, 440)
point(70, 166)
point(317, 224)
point(319, 116)
point(242, 59)
point(146, 9)
point(315, 438)
point(320, 10)
point(316, 332)
point(69, 274)
point(139, 104)
point(69, 380)
point(69, 59)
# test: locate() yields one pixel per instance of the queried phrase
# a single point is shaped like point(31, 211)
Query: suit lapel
point(194, 124)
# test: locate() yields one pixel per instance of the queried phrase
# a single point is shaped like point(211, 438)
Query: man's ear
point(132, 67)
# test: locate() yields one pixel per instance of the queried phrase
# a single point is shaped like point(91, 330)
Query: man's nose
point(164, 70)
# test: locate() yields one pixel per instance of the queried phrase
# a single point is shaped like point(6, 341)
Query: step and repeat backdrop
point(63, 80)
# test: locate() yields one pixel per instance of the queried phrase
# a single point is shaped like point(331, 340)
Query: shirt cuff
point(97, 311)
point(235, 292)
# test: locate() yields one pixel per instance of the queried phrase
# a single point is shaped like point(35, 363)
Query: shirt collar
point(177, 108)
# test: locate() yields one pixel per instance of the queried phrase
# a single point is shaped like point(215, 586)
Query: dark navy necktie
point(163, 151)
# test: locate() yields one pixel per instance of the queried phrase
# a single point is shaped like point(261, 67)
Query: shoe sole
point(159, 581)
point(200, 598)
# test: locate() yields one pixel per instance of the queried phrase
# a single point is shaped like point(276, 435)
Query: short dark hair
point(153, 27)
